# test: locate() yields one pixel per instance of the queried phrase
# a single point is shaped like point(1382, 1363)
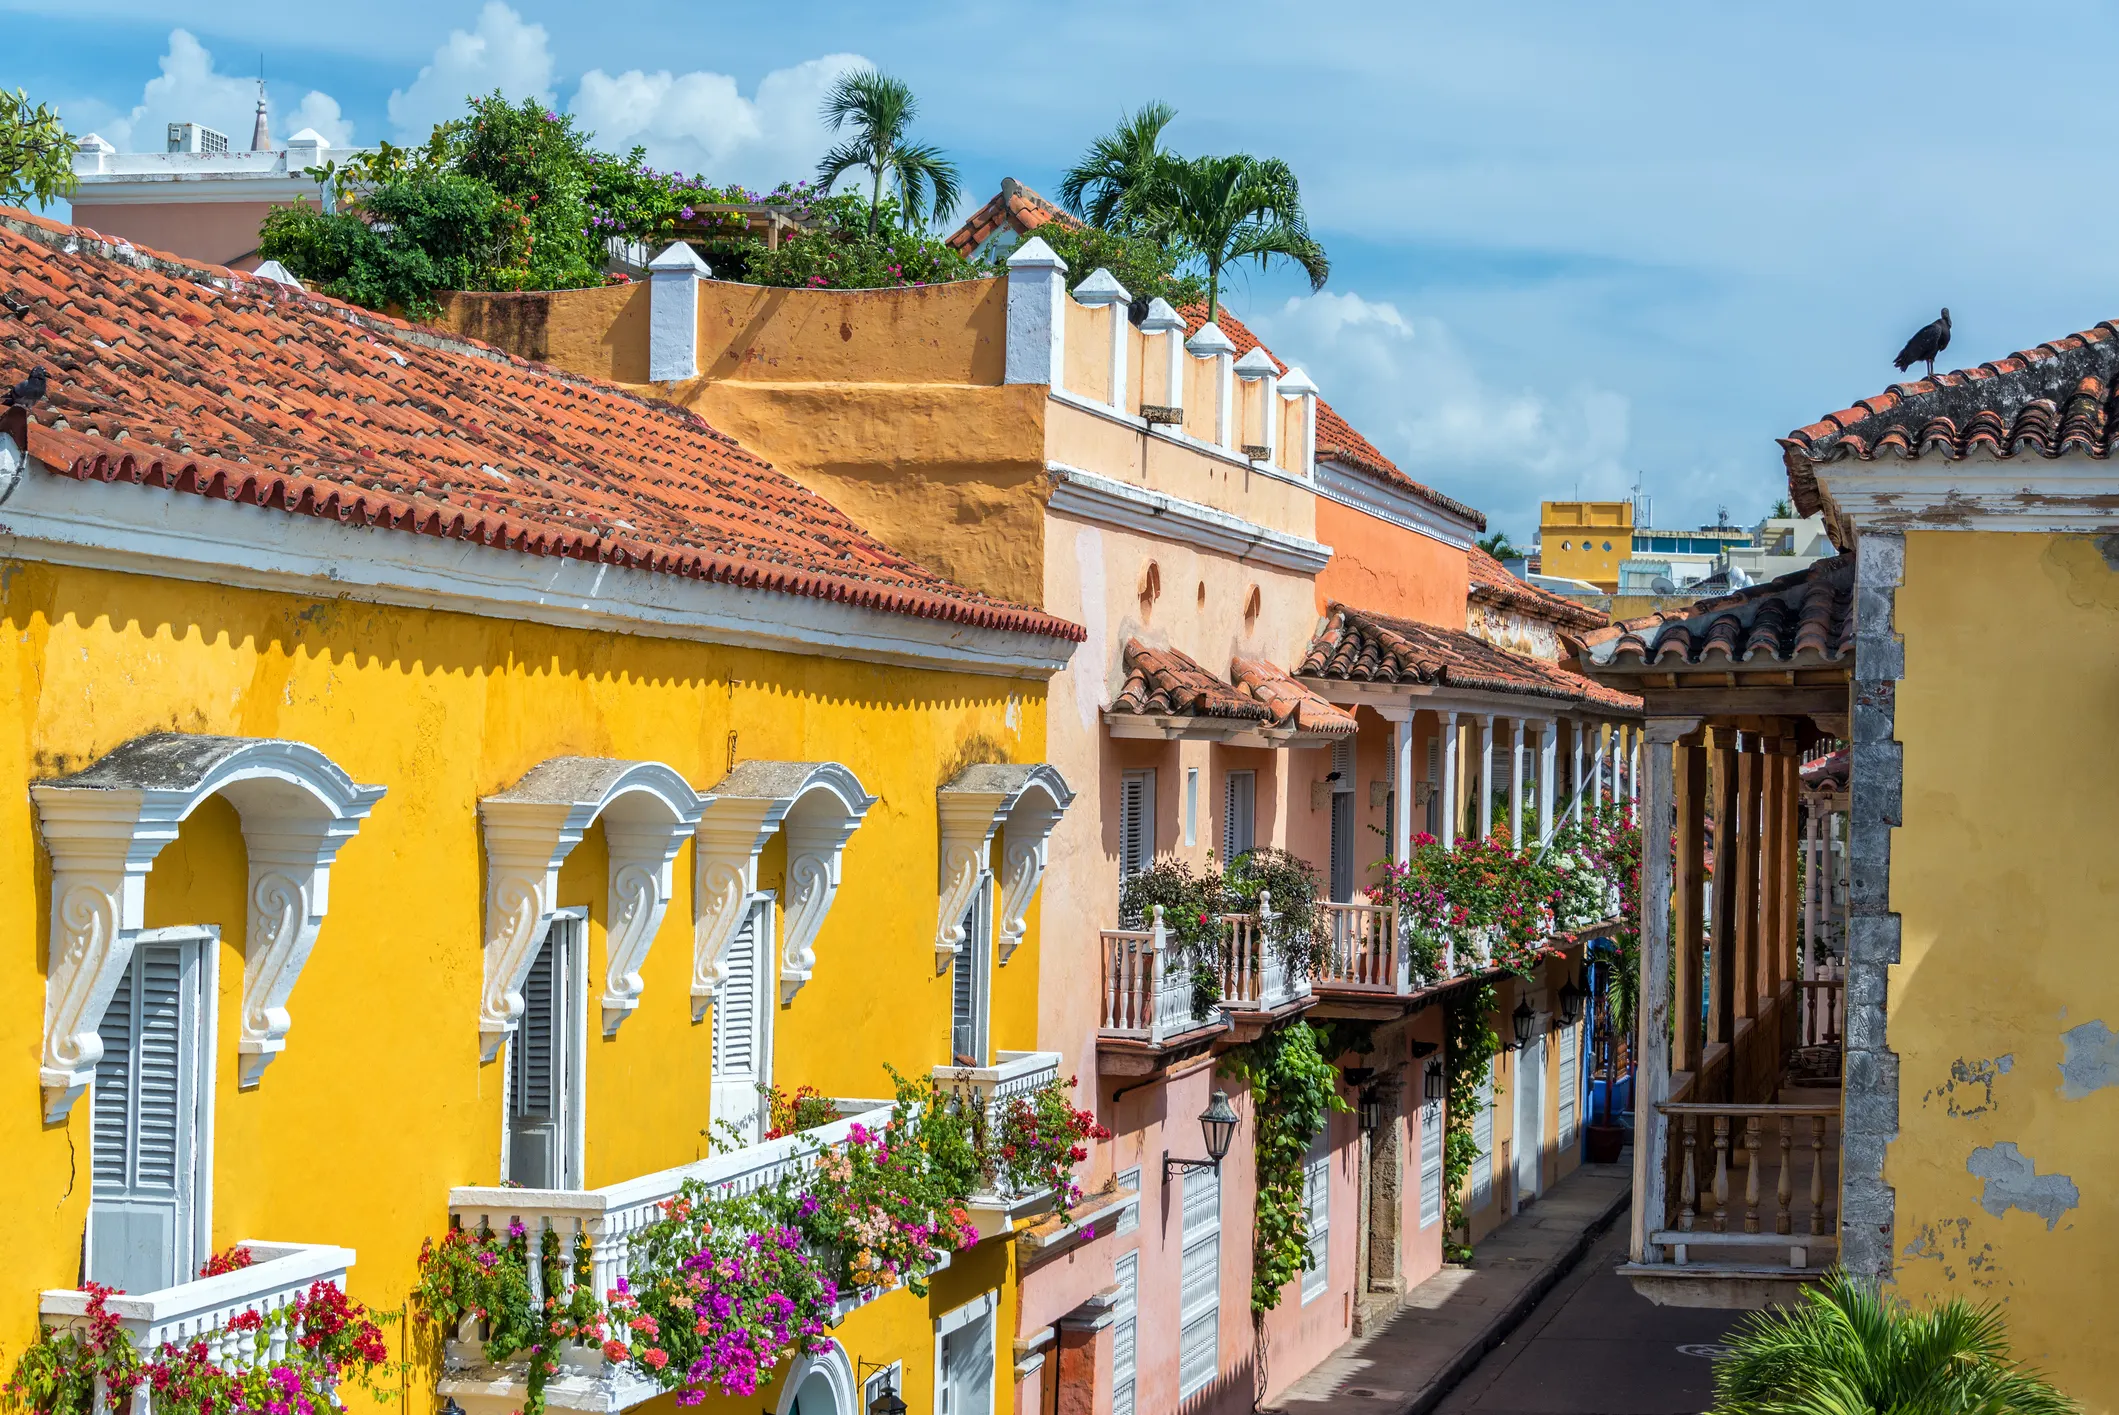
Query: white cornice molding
point(818, 805)
point(1115, 503)
point(972, 807)
point(2072, 494)
point(530, 830)
point(105, 825)
point(1386, 503)
point(143, 530)
point(1175, 434)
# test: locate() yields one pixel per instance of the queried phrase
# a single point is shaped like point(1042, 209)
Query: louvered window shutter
point(968, 983)
point(145, 1122)
point(1239, 813)
point(1570, 1039)
point(1317, 1204)
point(1124, 1348)
point(1430, 1163)
point(739, 1013)
point(1483, 1137)
point(538, 1058)
point(967, 1369)
point(1199, 1289)
point(1136, 823)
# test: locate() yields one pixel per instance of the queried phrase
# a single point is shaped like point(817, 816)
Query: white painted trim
point(104, 827)
point(1076, 492)
point(1036, 350)
point(838, 1371)
point(53, 518)
point(1338, 482)
point(973, 807)
point(2071, 494)
point(673, 313)
point(1162, 432)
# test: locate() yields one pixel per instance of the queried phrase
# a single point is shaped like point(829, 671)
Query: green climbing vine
point(1294, 1090)
point(1469, 1058)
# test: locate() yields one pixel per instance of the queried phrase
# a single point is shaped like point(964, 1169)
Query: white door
point(1530, 1120)
point(970, 979)
point(743, 1019)
point(152, 1096)
point(965, 1356)
point(545, 1062)
point(1125, 1358)
point(1199, 1289)
point(1317, 1211)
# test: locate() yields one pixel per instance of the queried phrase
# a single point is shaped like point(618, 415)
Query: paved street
point(1595, 1347)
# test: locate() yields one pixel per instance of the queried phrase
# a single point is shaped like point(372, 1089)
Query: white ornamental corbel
point(105, 825)
point(972, 808)
point(817, 806)
point(530, 830)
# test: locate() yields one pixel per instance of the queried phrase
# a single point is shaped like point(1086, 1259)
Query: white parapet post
point(673, 314)
point(1297, 385)
point(1486, 776)
point(1162, 320)
point(1037, 315)
point(1258, 367)
point(1208, 342)
point(1102, 291)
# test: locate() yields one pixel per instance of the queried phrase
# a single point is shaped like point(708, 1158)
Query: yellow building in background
point(1585, 540)
point(440, 792)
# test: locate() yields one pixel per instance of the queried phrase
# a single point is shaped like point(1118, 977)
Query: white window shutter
point(970, 977)
point(1430, 1163)
point(741, 1013)
point(1199, 1289)
point(1239, 813)
point(967, 1369)
point(1125, 1355)
point(1569, 1043)
point(1317, 1205)
point(1136, 824)
point(541, 1089)
point(146, 1122)
point(1483, 1137)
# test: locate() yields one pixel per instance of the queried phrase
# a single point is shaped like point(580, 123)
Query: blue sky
point(1572, 244)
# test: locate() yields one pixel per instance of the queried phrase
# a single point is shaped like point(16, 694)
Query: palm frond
point(1105, 187)
point(879, 106)
point(922, 169)
point(842, 158)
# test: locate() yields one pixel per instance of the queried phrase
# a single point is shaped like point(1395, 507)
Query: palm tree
point(881, 108)
point(1227, 209)
point(1848, 1350)
point(1105, 186)
point(1498, 546)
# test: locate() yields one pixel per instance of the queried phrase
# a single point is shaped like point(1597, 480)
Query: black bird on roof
point(1924, 346)
point(28, 391)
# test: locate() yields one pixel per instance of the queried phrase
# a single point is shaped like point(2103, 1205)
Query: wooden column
point(1651, 1132)
point(1743, 958)
point(1791, 764)
point(1721, 1010)
point(1687, 907)
point(1811, 822)
point(1772, 883)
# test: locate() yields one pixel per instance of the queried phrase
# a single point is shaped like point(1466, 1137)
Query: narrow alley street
point(1596, 1347)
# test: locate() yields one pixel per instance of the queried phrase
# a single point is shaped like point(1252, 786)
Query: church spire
point(260, 139)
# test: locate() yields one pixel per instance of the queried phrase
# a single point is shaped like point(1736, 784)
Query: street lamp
point(1435, 1084)
point(1371, 1109)
point(1525, 1021)
point(886, 1403)
point(1218, 1124)
point(1572, 997)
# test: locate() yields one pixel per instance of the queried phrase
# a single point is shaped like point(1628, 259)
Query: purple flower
point(551, 117)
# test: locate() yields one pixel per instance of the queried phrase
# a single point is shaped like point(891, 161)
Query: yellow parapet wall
point(2004, 1003)
point(380, 1103)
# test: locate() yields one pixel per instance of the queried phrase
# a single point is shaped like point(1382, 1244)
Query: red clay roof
point(1491, 581)
point(1291, 704)
point(1336, 439)
point(1802, 619)
point(201, 380)
point(2056, 398)
point(1361, 646)
point(1166, 683)
point(1829, 772)
point(1015, 206)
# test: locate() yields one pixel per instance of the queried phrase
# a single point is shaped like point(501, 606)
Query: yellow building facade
point(1585, 540)
point(384, 835)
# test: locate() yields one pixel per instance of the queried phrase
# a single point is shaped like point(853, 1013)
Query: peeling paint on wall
point(2092, 1060)
point(1970, 1075)
point(2013, 1182)
point(1949, 1244)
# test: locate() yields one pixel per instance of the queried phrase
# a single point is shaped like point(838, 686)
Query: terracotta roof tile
point(1337, 441)
point(1491, 582)
point(2056, 398)
point(1291, 704)
point(1805, 617)
point(1830, 771)
point(1166, 683)
point(1014, 206)
point(1360, 646)
point(205, 381)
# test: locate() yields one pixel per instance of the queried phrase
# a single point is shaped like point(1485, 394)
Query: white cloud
point(701, 122)
point(1415, 392)
point(190, 89)
point(502, 52)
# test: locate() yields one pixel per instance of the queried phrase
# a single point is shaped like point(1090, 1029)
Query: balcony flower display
point(294, 1360)
point(722, 1292)
point(1193, 903)
point(1042, 1137)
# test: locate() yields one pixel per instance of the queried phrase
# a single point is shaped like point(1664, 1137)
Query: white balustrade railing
point(1017, 1075)
point(1255, 974)
point(1362, 952)
point(608, 1219)
point(1145, 994)
point(203, 1308)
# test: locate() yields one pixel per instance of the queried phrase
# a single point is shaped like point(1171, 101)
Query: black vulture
point(1924, 346)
